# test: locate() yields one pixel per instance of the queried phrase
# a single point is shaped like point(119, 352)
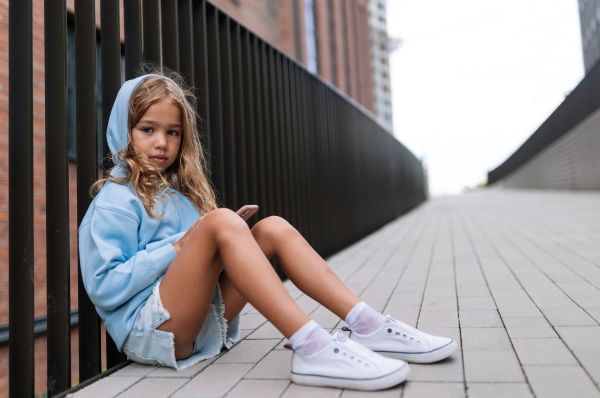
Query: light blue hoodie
point(123, 251)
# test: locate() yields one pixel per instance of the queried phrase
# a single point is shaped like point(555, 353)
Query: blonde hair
point(188, 174)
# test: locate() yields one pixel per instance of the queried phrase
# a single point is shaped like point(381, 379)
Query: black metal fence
point(578, 105)
point(278, 136)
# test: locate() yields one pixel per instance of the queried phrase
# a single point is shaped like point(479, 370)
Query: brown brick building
point(341, 54)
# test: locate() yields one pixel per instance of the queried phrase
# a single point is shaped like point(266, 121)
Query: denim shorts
point(148, 345)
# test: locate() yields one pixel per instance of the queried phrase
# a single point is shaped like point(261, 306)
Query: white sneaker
point(346, 364)
point(398, 340)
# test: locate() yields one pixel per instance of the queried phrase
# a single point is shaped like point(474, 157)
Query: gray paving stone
point(479, 319)
point(448, 370)
point(248, 351)
point(395, 392)
point(252, 321)
point(485, 339)
point(435, 303)
point(476, 290)
point(324, 317)
point(547, 351)
point(400, 298)
point(594, 312)
point(534, 327)
point(107, 388)
point(135, 369)
point(154, 388)
point(214, 381)
point(560, 381)
point(499, 390)
point(590, 360)
point(568, 317)
point(416, 389)
point(165, 371)
point(266, 331)
point(492, 366)
point(258, 389)
point(276, 365)
point(444, 319)
point(476, 303)
point(580, 338)
point(300, 391)
point(519, 311)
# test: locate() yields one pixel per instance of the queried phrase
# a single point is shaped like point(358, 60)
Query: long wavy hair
point(188, 174)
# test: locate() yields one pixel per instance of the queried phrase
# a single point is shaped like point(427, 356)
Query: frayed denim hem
point(146, 344)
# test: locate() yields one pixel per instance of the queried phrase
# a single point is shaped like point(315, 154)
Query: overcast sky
point(473, 79)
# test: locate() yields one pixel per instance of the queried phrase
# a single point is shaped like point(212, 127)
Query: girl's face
point(158, 133)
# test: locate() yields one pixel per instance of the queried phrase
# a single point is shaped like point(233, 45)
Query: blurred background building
point(589, 16)
point(341, 40)
point(380, 66)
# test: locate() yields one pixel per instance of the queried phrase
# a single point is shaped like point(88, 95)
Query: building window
point(311, 46)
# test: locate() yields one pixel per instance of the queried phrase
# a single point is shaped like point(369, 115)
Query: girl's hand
point(179, 244)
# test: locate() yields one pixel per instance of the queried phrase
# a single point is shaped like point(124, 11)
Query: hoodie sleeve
point(113, 268)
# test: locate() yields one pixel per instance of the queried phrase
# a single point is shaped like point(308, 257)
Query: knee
point(225, 223)
point(272, 227)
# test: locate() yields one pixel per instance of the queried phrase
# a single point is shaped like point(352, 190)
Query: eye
point(146, 129)
point(173, 132)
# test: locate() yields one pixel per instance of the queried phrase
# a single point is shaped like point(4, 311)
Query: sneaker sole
point(426, 357)
point(379, 383)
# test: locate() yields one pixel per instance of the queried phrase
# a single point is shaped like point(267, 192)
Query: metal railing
point(577, 106)
point(278, 136)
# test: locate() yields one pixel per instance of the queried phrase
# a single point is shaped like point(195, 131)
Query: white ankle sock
point(310, 338)
point(363, 319)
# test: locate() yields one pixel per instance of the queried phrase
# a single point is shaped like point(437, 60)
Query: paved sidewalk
point(514, 276)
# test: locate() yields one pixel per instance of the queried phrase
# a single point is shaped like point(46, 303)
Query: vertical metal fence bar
point(186, 41)
point(259, 84)
point(305, 152)
point(294, 149)
point(132, 16)
point(276, 116)
point(111, 83)
point(286, 144)
point(169, 31)
point(201, 75)
point(227, 106)
point(57, 199)
point(20, 217)
point(266, 78)
point(282, 139)
point(248, 72)
point(87, 172)
point(339, 173)
point(216, 110)
point(312, 101)
point(239, 114)
point(320, 169)
point(151, 35)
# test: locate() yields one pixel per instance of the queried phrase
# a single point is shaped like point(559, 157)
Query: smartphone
point(247, 211)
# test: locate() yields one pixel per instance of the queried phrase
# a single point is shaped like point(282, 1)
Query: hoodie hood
point(116, 132)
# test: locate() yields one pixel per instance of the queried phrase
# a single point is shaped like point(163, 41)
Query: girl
point(169, 273)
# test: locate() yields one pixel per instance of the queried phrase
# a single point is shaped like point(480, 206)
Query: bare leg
point(309, 272)
point(222, 238)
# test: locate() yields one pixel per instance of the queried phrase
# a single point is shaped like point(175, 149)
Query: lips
point(158, 159)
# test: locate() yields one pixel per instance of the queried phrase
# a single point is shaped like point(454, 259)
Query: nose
point(160, 141)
